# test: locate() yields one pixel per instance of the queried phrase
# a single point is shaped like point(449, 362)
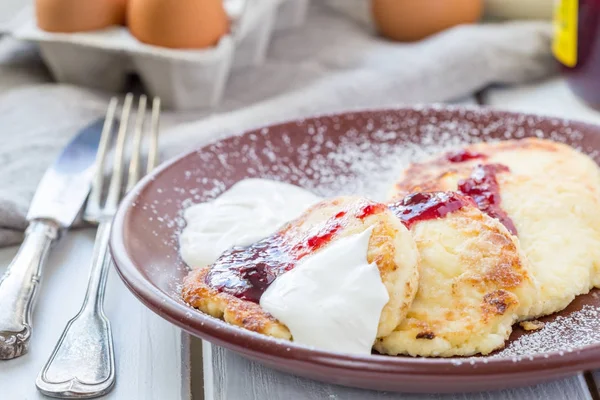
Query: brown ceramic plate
point(356, 152)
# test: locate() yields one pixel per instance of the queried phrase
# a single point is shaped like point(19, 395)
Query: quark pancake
point(474, 282)
point(546, 193)
point(231, 288)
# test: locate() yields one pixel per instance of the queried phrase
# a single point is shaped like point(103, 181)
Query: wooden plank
point(235, 377)
point(593, 381)
point(152, 355)
point(197, 370)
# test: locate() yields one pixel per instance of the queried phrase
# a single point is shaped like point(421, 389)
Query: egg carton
point(184, 79)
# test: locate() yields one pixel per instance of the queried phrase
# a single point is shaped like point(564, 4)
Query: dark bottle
point(577, 46)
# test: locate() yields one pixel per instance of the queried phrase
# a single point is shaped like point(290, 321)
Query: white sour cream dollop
point(331, 300)
point(249, 211)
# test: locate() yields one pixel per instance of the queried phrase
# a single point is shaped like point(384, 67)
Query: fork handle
point(82, 364)
point(19, 285)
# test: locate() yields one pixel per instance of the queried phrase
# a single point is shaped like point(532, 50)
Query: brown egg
point(178, 23)
point(79, 15)
point(409, 20)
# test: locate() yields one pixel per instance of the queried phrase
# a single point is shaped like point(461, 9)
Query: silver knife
point(57, 201)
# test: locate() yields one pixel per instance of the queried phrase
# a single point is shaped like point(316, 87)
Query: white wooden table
point(156, 361)
point(152, 355)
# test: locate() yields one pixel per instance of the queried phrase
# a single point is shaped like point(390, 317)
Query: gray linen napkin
point(332, 63)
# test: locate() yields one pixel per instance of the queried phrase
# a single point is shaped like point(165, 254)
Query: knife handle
point(19, 285)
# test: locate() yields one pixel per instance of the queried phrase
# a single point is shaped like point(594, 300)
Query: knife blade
point(66, 184)
point(58, 199)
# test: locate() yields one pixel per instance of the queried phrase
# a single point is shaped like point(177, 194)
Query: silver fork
point(82, 364)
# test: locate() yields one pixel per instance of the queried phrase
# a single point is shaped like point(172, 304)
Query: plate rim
point(549, 365)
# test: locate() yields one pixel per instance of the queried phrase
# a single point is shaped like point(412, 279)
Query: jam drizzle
point(463, 155)
point(246, 272)
point(426, 206)
point(370, 209)
point(482, 187)
point(316, 242)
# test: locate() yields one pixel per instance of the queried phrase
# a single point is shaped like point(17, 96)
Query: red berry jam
point(315, 242)
point(482, 187)
point(463, 155)
point(370, 209)
point(246, 272)
point(426, 206)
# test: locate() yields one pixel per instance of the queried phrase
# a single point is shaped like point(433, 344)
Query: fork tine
point(96, 191)
point(114, 190)
point(134, 164)
point(154, 127)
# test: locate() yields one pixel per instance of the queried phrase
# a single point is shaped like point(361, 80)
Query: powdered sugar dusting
point(564, 334)
point(361, 153)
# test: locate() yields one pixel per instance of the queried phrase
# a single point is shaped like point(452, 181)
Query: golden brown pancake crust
point(390, 247)
point(551, 192)
point(474, 284)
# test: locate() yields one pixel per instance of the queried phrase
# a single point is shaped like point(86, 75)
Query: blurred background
point(276, 59)
point(208, 57)
point(223, 66)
